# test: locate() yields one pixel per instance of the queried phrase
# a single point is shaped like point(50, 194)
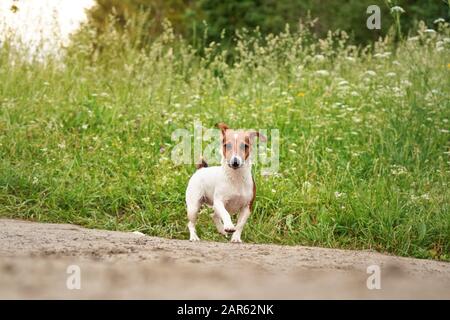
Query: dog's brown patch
point(237, 142)
point(202, 164)
point(253, 196)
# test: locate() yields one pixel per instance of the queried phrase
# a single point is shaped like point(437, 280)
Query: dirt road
point(34, 258)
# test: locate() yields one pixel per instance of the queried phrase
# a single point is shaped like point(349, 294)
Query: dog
point(228, 188)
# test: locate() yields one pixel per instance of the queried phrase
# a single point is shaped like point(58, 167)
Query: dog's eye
point(244, 146)
point(228, 146)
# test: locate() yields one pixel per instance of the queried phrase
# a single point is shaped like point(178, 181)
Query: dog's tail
point(202, 164)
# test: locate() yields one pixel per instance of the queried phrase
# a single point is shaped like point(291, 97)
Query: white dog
point(228, 188)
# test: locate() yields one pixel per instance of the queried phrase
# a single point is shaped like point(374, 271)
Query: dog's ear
point(223, 127)
point(252, 134)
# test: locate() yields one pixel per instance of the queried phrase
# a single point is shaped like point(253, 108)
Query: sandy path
point(34, 258)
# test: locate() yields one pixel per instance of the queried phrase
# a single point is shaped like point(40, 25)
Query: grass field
point(364, 148)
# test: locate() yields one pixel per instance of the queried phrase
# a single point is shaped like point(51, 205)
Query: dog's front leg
point(219, 208)
point(242, 219)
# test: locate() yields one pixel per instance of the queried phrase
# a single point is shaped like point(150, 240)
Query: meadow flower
point(425, 196)
point(382, 55)
point(300, 94)
point(448, 65)
point(370, 73)
point(319, 57)
point(391, 74)
point(338, 194)
point(439, 20)
point(322, 73)
point(84, 126)
point(406, 83)
point(397, 9)
point(307, 185)
point(62, 145)
point(398, 170)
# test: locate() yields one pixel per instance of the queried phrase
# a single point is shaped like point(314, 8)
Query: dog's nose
point(235, 162)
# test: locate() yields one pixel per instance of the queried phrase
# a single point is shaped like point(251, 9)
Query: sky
point(34, 24)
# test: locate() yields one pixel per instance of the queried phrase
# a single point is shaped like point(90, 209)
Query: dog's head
point(236, 145)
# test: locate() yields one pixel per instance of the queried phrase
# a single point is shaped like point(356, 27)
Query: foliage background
point(364, 155)
point(189, 17)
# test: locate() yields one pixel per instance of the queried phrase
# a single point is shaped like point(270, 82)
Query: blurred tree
point(270, 16)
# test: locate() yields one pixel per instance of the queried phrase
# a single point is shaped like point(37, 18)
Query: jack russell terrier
point(228, 188)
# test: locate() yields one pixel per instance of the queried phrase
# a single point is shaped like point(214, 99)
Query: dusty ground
point(34, 258)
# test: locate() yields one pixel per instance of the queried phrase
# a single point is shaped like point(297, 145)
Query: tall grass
point(364, 151)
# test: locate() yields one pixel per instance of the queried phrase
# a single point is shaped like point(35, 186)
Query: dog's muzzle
point(235, 162)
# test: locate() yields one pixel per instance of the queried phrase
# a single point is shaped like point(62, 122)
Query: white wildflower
point(397, 170)
point(338, 194)
point(319, 57)
point(425, 196)
point(397, 9)
point(370, 73)
point(322, 73)
point(307, 185)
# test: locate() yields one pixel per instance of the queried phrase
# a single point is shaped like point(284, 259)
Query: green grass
point(364, 155)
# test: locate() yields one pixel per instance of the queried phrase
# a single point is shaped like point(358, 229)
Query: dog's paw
point(194, 238)
point(229, 229)
point(236, 240)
